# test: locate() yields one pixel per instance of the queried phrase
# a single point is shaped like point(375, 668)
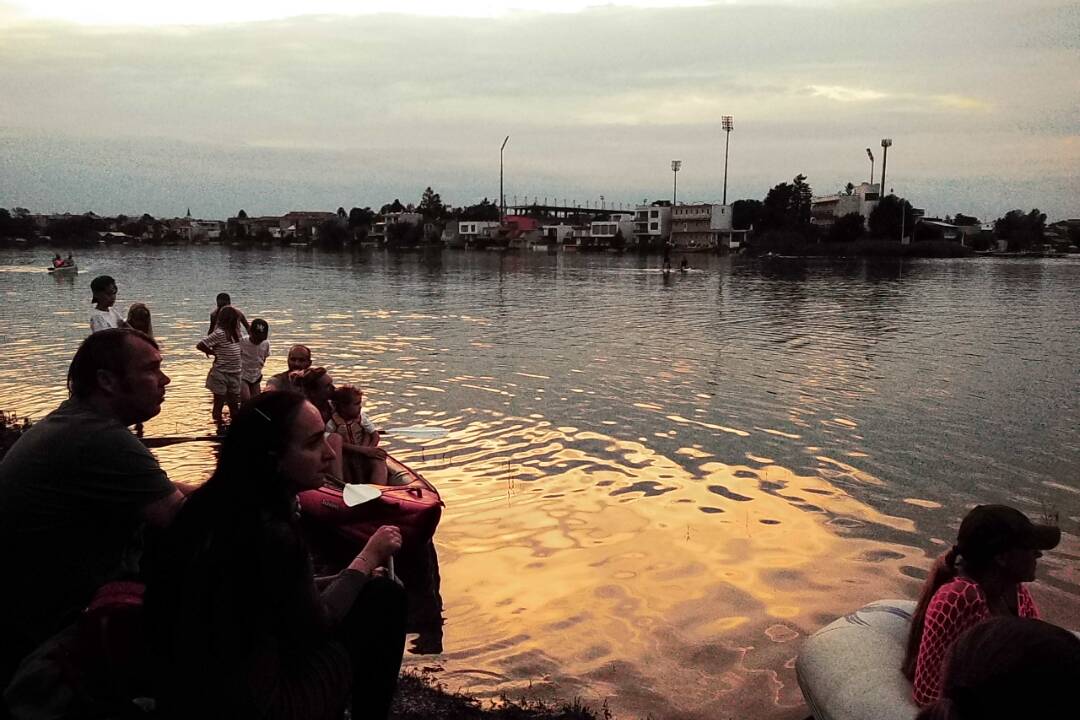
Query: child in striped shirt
point(223, 380)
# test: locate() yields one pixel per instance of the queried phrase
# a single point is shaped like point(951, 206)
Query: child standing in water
point(104, 315)
point(223, 380)
point(254, 350)
point(354, 440)
point(138, 318)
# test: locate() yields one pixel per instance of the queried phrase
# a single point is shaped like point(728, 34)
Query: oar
point(158, 442)
point(417, 431)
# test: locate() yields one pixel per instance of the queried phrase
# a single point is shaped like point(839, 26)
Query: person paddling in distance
point(236, 616)
point(982, 576)
point(104, 315)
point(354, 440)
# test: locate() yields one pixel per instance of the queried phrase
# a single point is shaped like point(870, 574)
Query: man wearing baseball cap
point(982, 576)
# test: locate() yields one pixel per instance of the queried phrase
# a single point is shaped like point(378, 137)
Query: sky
point(128, 107)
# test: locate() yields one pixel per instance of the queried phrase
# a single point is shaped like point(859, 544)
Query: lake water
point(656, 486)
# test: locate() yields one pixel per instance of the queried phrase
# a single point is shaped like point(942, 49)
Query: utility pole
point(728, 123)
point(502, 197)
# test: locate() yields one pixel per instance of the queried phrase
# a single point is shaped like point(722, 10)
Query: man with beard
point(76, 491)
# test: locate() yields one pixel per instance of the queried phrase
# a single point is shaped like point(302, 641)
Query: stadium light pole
point(728, 123)
point(675, 165)
point(870, 155)
point(502, 197)
point(886, 143)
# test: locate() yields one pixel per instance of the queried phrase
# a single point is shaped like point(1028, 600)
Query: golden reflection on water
point(630, 519)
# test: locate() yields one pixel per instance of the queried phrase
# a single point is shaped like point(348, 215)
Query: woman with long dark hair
point(235, 615)
point(982, 576)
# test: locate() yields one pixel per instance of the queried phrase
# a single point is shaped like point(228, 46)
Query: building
point(827, 209)
point(617, 231)
point(652, 226)
point(384, 222)
point(471, 231)
point(701, 227)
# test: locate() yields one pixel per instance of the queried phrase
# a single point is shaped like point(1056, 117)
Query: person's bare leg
point(219, 403)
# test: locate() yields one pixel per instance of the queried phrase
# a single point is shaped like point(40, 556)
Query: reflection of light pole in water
point(871, 156)
point(675, 165)
point(728, 123)
point(886, 143)
point(502, 197)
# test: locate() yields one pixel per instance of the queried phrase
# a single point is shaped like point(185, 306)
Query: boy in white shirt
point(104, 315)
point(254, 349)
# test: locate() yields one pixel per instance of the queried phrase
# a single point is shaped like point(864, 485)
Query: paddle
point(159, 442)
point(418, 432)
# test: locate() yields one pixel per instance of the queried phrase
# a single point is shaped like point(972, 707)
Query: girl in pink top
point(980, 577)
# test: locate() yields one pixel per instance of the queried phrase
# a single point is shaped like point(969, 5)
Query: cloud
point(597, 103)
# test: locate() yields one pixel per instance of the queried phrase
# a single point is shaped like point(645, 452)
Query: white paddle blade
point(418, 431)
point(359, 494)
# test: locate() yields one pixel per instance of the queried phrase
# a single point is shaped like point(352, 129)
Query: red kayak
point(336, 533)
point(408, 500)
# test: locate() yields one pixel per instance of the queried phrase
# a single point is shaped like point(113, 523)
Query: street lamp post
point(886, 143)
point(675, 165)
point(502, 197)
point(871, 156)
point(728, 123)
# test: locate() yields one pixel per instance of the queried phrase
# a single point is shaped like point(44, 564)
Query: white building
point(604, 233)
point(827, 209)
point(652, 225)
point(469, 231)
point(702, 227)
point(383, 223)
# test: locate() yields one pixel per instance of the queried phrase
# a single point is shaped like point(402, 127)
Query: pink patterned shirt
point(955, 607)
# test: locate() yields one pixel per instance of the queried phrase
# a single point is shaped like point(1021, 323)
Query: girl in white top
point(223, 380)
point(104, 315)
point(254, 350)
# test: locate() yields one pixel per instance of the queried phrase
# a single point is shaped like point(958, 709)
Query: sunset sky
point(279, 105)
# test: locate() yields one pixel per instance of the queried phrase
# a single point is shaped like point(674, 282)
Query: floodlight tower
point(886, 143)
point(870, 155)
point(728, 123)
point(675, 165)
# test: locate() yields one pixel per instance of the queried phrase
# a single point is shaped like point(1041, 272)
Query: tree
point(787, 206)
point(962, 219)
point(341, 213)
point(1019, 230)
point(403, 235)
point(746, 214)
point(892, 215)
point(332, 233)
point(394, 207)
point(241, 215)
point(847, 228)
point(431, 205)
point(484, 210)
point(361, 217)
point(849, 189)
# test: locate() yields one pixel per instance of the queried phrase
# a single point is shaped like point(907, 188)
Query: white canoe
point(850, 669)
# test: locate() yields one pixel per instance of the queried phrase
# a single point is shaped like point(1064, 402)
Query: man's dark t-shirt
point(71, 494)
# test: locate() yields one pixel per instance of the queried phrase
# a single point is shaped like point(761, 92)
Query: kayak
point(850, 669)
point(64, 270)
point(336, 532)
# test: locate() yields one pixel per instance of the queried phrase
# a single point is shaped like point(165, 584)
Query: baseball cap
point(990, 529)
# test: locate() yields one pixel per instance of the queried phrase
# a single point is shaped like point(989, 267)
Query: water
point(656, 485)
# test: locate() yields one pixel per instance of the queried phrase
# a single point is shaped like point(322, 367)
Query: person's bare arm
point(160, 513)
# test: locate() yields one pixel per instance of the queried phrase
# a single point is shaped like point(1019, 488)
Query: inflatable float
point(850, 669)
